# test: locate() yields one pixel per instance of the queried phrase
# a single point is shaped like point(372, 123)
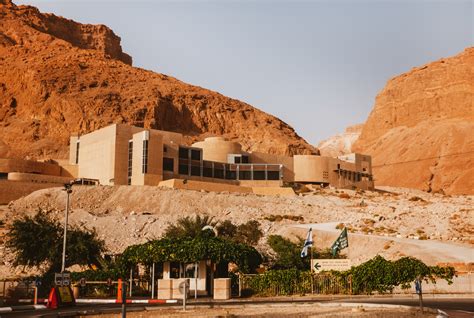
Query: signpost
point(183, 289)
point(419, 291)
point(124, 299)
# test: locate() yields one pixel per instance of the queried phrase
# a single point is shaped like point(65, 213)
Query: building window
point(168, 164)
point(183, 153)
point(237, 159)
point(183, 168)
point(165, 149)
point(258, 175)
point(196, 154)
point(245, 159)
point(196, 170)
point(77, 151)
point(145, 157)
point(130, 162)
point(273, 175)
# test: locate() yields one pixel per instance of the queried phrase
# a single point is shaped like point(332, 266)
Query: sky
point(317, 65)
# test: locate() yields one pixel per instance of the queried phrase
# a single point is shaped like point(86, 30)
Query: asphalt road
point(455, 307)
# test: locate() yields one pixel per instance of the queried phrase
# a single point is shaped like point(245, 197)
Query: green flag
point(341, 243)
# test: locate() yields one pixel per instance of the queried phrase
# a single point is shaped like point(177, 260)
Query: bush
point(288, 254)
point(381, 275)
point(37, 241)
point(246, 233)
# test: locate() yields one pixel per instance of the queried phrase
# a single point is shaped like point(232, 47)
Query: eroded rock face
point(421, 130)
point(340, 144)
point(59, 77)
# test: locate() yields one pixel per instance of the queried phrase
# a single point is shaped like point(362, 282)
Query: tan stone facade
point(21, 177)
point(121, 154)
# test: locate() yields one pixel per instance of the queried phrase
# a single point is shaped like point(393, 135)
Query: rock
point(340, 144)
point(419, 132)
point(48, 77)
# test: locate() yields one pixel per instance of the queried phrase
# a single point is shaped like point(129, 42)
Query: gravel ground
point(399, 222)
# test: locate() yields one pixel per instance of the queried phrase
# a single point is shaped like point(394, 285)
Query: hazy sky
point(317, 65)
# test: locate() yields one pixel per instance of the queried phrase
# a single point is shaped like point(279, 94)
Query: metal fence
point(323, 284)
point(12, 290)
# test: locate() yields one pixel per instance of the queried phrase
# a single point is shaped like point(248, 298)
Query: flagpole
point(311, 268)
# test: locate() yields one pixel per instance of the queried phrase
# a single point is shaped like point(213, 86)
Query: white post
point(153, 282)
point(195, 280)
point(68, 191)
point(131, 281)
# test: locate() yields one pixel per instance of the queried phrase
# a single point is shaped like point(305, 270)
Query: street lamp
point(68, 189)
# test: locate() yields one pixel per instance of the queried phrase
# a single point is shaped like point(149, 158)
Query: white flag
point(307, 243)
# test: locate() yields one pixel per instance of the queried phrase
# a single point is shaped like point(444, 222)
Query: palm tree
point(190, 227)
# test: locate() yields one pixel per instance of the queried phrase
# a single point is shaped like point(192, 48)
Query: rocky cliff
point(58, 76)
point(421, 129)
point(340, 144)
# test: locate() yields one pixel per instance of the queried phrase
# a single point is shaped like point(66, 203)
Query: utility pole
point(68, 189)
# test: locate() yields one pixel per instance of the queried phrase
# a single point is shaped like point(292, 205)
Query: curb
point(129, 301)
point(24, 307)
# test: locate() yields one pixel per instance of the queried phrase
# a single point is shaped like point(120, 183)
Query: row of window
point(229, 171)
point(191, 164)
point(130, 162)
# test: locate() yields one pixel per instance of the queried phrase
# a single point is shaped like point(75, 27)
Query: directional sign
point(330, 264)
point(184, 286)
point(317, 266)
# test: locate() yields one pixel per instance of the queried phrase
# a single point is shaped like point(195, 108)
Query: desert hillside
point(421, 129)
point(58, 76)
point(432, 227)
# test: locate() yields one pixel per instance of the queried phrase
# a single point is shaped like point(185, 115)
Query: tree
point(288, 254)
point(37, 241)
point(190, 227)
point(227, 229)
point(247, 233)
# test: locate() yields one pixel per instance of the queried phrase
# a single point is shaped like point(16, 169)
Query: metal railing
point(323, 284)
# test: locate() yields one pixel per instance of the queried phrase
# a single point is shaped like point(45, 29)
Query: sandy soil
point(278, 311)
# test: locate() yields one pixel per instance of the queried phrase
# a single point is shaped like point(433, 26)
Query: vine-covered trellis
point(190, 250)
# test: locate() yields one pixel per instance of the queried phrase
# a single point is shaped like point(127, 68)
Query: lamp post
point(68, 189)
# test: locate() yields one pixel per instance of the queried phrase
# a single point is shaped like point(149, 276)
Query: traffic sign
point(62, 279)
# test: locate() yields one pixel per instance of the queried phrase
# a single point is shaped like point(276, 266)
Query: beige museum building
point(120, 154)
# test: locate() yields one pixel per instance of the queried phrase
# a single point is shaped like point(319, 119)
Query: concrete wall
point(29, 166)
point(308, 168)
point(273, 191)
point(97, 155)
point(201, 185)
point(13, 190)
point(217, 148)
point(38, 178)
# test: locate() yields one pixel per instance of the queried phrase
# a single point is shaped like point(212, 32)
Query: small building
point(126, 155)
